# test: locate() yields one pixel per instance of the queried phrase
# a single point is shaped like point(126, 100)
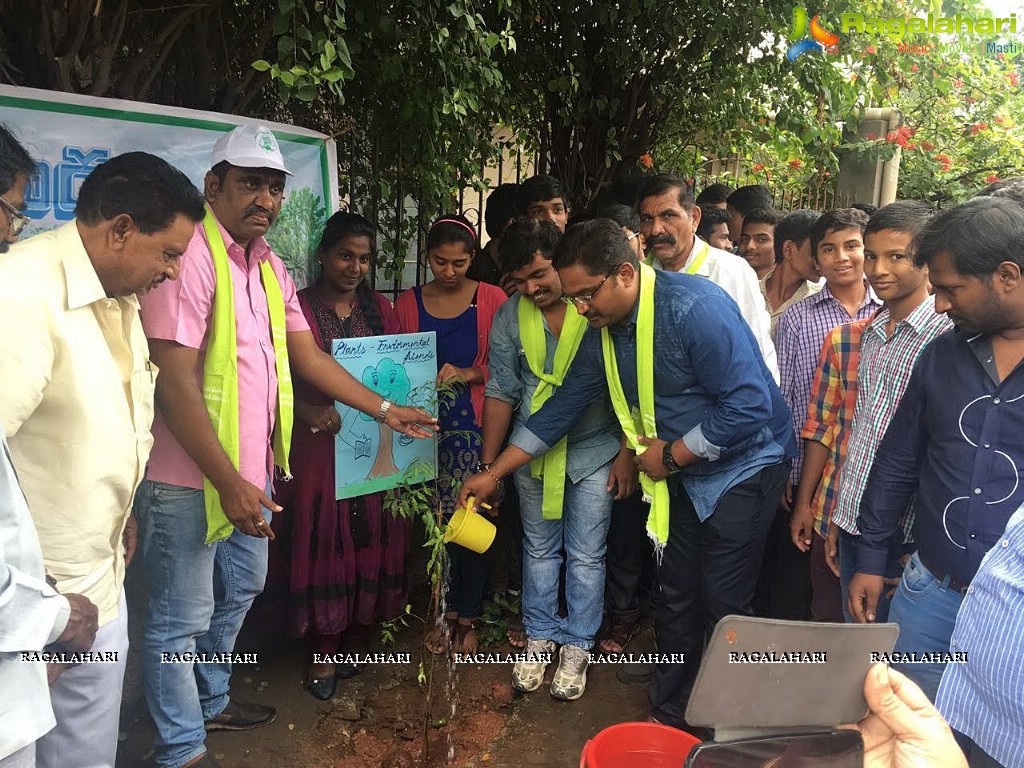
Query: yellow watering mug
point(470, 530)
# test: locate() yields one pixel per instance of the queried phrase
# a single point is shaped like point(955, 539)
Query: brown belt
point(954, 584)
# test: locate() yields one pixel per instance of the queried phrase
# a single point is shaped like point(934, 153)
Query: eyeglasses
point(18, 219)
point(589, 298)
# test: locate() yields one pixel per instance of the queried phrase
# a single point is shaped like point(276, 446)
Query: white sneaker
point(570, 678)
point(528, 675)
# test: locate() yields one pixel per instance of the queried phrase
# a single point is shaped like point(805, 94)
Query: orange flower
point(992, 177)
point(872, 49)
point(914, 68)
point(646, 161)
point(978, 128)
point(758, 167)
point(1014, 79)
point(796, 162)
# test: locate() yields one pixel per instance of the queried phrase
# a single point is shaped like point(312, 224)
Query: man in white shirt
point(668, 221)
point(77, 406)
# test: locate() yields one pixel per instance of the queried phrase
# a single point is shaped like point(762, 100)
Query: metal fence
point(402, 215)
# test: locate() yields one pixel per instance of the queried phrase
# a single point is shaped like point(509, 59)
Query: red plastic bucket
point(638, 745)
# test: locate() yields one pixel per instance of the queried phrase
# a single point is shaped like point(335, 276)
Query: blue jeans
point(925, 608)
point(198, 597)
point(583, 532)
point(848, 567)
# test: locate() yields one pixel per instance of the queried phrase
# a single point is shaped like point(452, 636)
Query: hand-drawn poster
point(371, 457)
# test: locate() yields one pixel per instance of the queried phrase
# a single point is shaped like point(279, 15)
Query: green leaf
point(260, 65)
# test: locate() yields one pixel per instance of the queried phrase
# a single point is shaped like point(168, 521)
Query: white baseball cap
point(249, 146)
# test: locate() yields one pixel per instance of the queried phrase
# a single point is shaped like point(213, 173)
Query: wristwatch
point(667, 460)
point(385, 406)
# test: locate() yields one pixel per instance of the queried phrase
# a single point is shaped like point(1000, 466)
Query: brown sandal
point(617, 637)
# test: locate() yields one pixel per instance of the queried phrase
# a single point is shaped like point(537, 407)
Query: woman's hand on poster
point(414, 422)
point(471, 375)
point(623, 476)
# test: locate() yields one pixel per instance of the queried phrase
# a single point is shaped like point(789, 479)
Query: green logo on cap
point(265, 140)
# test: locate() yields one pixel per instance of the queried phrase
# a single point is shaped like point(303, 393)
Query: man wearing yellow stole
point(701, 410)
point(225, 337)
point(565, 496)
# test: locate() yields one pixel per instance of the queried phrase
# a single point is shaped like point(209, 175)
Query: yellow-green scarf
point(643, 422)
point(550, 466)
point(220, 372)
point(701, 257)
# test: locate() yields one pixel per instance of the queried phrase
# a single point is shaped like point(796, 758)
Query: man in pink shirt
point(198, 593)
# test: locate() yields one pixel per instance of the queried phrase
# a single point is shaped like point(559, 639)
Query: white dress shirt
point(736, 277)
point(76, 402)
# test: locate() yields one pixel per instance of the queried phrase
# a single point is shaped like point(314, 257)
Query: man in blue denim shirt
point(593, 442)
point(715, 400)
point(954, 444)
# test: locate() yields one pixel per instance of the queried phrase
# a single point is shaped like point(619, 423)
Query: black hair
point(868, 208)
point(795, 226)
point(452, 229)
point(907, 216)
point(524, 238)
point(340, 226)
point(714, 194)
point(661, 183)
point(710, 217)
point(538, 188)
point(501, 206)
point(746, 199)
point(147, 188)
point(14, 160)
point(625, 189)
point(220, 170)
point(761, 216)
point(623, 215)
point(1009, 189)
point(978, 236)
point(996, 186)
point(598, 245)
point(836, 219)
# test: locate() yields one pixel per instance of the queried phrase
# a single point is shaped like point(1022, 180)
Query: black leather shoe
point(322, 687)
point(238, 716)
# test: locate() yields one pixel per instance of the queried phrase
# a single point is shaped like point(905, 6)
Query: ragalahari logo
point(820, 38)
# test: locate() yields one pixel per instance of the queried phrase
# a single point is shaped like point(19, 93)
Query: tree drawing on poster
point(368, 456)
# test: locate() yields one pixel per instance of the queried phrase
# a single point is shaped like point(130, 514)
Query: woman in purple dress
point(345, 560)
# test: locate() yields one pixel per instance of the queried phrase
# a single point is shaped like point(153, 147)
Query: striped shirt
point(983, 698)
point(800, 334)
point(830, 412)
point(883, 375)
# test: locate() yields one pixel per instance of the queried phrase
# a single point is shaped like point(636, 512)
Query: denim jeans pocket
point(169, 492)
point(917, 581)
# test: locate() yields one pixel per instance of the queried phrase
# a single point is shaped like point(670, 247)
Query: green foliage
point(311, 51)
point(602, 84)
point(960, 108)
point(296, 233)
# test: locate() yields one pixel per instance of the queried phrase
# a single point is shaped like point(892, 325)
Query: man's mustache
point(256, 210)
point(660, 240)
